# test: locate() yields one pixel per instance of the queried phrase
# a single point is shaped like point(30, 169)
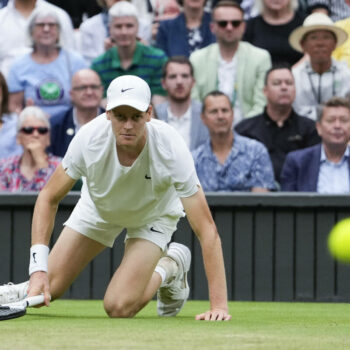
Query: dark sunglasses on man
point(42, 130)
point(235, 23)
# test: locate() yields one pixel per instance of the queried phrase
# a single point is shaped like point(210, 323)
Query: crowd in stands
point(258, 89)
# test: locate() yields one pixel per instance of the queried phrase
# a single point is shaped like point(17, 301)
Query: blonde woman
point(271, 28)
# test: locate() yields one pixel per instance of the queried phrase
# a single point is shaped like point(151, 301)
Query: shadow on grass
point(105, 317)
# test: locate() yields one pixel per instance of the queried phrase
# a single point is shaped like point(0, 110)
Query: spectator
point(324, 168)
point(279, 128)
point(234, 67)
point(31, 170)
point(14, 19)
point(186, 33)
point(342, 52)
point(8, 122)
point(86, 95)
point(272, 27)
point(43, 77)
point(162, 10)
point(180, 111)
point(336, 9)
point(94, 33)
point(228, 161)
point(321, 77)
point(130, 57)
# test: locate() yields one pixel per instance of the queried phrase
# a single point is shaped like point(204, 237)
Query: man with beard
point(180, 111)
point(231, 65)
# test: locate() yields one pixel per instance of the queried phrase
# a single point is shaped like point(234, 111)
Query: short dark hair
point(4, 108)
point(214, 93)
point(281, 65)
point(335, 101)
point(181, 2)
point(227, 3)
point(177, 59)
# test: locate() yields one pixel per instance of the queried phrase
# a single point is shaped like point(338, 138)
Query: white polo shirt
point(137, 195)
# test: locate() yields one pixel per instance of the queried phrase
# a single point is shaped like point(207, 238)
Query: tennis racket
point(19, 308)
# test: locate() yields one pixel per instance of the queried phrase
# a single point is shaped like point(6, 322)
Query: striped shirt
point(338, 8)
point(147, 64)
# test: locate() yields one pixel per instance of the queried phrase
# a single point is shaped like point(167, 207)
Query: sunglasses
point(42, 130)
point(235, 23)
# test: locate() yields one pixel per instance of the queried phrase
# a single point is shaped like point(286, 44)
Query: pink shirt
point(12, 180)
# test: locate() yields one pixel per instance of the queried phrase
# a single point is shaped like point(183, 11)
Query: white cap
point(128, 90)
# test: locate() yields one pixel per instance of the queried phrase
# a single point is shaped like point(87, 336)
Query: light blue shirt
point(334, 177)
point(248, 165)
point(46, 84)
point(8, 134)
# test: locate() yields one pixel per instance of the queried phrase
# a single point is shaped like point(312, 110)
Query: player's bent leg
point(134, 283)
point(69, 256)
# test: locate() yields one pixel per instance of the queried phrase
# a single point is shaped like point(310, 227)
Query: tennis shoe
point(10, 293)
point(173, 295)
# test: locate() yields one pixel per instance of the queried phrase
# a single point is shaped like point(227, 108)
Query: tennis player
point(137, 174)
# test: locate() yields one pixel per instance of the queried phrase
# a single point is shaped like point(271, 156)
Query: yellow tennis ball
point(339, 241)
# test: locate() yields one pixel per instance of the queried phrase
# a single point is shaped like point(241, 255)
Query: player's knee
point(120, 309)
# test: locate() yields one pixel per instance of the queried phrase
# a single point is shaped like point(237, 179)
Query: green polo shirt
point(147, 64)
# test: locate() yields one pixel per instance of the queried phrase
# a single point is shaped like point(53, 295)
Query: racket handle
point(35, 300)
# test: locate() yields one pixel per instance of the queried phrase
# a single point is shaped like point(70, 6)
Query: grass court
point(73, 324)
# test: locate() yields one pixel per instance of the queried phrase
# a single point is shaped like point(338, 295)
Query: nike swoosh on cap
point(123, 90)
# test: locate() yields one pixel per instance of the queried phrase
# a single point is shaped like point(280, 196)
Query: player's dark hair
point(176, 59)
point(281, 65)
point(333, 102)
point(214, 93)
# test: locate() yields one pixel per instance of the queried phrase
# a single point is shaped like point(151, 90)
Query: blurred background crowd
point(258, 89)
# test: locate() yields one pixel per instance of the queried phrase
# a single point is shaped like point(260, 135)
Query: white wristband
point(39, 254)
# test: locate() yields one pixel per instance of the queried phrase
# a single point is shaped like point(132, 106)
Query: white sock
point(167, 268)
point(162, 274)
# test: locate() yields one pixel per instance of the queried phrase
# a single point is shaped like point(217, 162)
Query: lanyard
point(318, 94)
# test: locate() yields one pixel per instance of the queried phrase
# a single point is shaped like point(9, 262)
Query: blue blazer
point(172, 35)
point(62, 132)
point(301, 168)
point(199, 132)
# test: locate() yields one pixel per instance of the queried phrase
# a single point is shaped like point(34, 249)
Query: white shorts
point(159, 231)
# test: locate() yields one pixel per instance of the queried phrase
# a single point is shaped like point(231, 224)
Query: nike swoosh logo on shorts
point(153, 230)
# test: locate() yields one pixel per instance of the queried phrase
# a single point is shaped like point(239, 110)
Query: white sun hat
point(316, 21)
point(128, 90)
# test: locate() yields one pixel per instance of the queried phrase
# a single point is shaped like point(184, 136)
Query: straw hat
point(316, 21)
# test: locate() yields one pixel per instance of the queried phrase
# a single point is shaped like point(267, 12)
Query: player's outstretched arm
point(203, 225)
point(43, 222)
